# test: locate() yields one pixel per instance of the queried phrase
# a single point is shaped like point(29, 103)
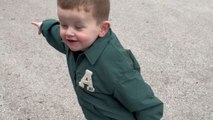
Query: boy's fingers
point(39, 32)
point(37, 24)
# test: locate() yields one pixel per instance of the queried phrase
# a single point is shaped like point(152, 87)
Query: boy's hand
point(38, 25)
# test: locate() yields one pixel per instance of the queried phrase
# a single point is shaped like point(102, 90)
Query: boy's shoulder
point(114, 49)
point(107, 47)
point(116, 55)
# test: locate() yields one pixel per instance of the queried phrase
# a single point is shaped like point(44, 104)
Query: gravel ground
point(172, 40)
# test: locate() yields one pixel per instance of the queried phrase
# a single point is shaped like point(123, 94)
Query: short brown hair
point(101, 8)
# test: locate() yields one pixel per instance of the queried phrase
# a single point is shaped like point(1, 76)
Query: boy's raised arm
point(51, 31)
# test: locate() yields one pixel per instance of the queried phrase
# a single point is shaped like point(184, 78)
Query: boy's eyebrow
point(75, 23)
point(79, 22)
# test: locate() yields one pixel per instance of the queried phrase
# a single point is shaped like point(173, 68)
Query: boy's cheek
point(62, 34)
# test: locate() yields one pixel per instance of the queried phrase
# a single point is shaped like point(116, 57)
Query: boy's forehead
point(80, 9)
point(86, 8)
point(74, 14)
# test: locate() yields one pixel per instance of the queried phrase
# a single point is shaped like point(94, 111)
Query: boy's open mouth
point(72, 41)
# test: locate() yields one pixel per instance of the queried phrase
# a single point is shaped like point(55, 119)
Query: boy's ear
point(104, 28)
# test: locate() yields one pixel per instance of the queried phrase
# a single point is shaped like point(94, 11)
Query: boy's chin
point(76, 50)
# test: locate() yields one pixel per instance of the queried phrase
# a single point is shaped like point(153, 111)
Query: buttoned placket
point(74, 66)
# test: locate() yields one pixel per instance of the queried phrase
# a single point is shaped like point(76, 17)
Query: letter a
point(87, 80)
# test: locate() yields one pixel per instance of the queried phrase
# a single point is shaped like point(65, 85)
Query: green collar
point(98, 47)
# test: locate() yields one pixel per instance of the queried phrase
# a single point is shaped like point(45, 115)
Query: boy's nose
point(70, 32)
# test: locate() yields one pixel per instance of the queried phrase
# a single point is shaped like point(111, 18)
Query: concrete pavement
point(172, 40)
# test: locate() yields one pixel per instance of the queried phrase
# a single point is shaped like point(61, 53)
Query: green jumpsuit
point(106, 78)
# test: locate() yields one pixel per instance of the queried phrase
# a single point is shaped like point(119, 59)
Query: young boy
point(105, 76)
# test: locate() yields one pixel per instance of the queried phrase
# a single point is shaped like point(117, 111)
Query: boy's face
point(78, 29)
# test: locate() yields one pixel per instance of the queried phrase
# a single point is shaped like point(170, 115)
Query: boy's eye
point(64, 26)
point(79, 27)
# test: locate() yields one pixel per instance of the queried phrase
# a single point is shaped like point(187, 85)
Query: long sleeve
point(51, 31)
point(138, 97)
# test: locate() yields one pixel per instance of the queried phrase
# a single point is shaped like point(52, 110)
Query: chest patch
point(87, 81)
